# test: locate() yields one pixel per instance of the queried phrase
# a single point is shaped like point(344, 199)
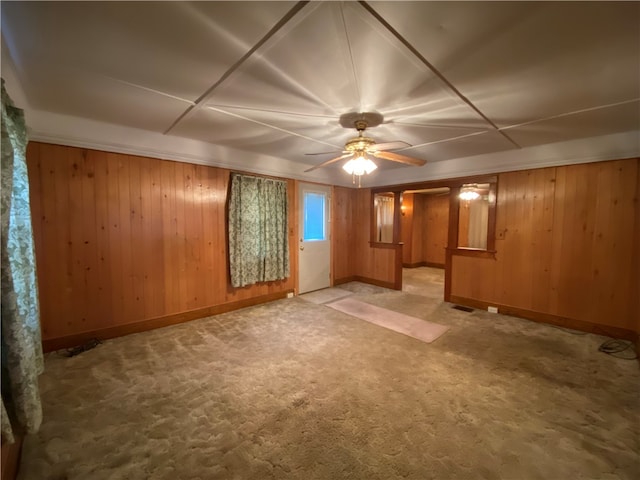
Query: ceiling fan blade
point(396, 157)
point(325, 153)
point(389, 146)
point(328, 162)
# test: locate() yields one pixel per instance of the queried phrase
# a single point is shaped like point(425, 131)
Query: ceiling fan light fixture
point(359, 166)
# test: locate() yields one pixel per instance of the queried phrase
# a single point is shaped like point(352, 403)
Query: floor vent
point(464, 309)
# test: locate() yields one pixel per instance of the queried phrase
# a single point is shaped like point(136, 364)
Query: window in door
point(314, 216)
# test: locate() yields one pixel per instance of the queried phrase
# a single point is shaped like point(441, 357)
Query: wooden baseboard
point(423, 264)
point(371, 281)
point(10, 460)
point(340, 281)
point(52, 344)
point(575, 324)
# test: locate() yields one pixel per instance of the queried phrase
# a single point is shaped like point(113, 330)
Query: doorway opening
point(424, 233)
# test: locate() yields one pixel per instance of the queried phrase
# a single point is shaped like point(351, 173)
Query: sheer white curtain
point(478, 223)
point(384, 219)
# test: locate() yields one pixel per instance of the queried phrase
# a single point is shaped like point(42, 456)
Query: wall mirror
point(476, 201)
point(384, 204)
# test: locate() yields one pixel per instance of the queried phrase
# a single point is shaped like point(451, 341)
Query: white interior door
point(314, 254)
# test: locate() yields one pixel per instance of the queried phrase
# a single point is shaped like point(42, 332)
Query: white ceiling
point(472, 86)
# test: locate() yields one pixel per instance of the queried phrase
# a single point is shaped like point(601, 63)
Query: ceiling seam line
point(575, 112)
point(198, 102)
point(433, 69)
point(264, 124)
point(268, 110)
point(353, 65)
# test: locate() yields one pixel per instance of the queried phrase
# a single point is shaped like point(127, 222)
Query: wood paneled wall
point(354, 257)
point(565, 240)
point(121, 239)
point(425, 229)
point(406, 228)
point(342, 242)
point(435, 228)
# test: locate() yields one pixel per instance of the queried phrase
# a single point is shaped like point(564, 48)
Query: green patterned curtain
point(258, 224)
point(22, 360)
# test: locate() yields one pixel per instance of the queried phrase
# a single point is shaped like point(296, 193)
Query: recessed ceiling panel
point(621, 118)
point(521, 61)
point(179, 48)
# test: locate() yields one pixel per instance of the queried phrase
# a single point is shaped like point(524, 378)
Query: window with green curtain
point(258, 230)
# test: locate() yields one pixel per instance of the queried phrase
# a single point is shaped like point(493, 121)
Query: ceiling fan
point(359, 150)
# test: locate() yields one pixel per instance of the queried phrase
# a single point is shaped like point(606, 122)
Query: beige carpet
point(326, 295)
point(295, 390)
point(398, 322)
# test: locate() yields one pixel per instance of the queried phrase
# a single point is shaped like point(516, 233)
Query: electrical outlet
point(492, 309)
point(290, 295)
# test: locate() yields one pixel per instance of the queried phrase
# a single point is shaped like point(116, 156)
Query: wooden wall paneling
point(524, 251)
point(74, 239)
point(572, 289)
point(406, 227)
point(130, 305)
point(113, 238)
point(417, 238)
point(138, 239)
point(168, 209)
point(180, 246)
point(342, 234)
point(604, 235)
point(558, 239)
point(124, 239)
point(564, 246)
point(208, 212)
point(153, 255)
point(435, 229)
point(200, 202)
point(192, 225)
point(582, 253)
point(622, 211)
point(104, 305)
point(88, 242)
point(222, 276)
point(542, 227)
point(506, 215)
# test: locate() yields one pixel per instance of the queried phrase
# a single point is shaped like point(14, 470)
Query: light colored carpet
point(325, 295)
point(398, 322)
point(425, 281)
point(293, 390)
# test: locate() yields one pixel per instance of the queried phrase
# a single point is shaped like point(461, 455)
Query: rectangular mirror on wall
point(473, 219)
point(383, 216)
